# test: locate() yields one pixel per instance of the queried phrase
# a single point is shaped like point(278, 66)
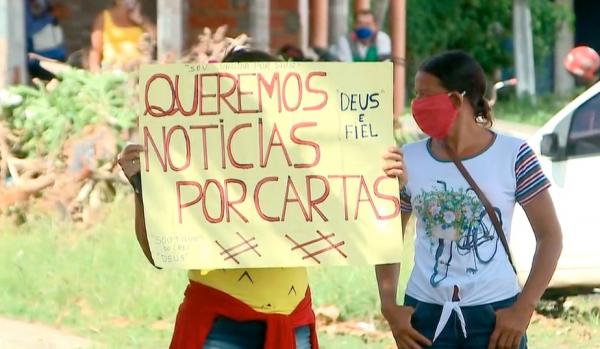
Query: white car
point(569, 150)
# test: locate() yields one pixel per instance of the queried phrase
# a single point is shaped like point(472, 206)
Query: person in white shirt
point(366, 43)
point(463, 290)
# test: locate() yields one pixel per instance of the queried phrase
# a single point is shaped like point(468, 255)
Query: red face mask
point(434, 114)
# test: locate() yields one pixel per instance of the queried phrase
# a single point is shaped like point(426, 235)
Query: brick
point(200, 22)
point(277, 41)
point(292, 23)
point(210, 4)
point(240, 4)
point(290, 5)
point(277, 21)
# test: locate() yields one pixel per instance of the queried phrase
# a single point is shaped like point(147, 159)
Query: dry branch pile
point(59, 140)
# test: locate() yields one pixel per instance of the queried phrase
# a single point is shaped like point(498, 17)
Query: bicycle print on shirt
point(454, 220)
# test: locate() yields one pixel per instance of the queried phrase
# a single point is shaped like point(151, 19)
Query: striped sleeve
point(405, 204)
point(530, 178)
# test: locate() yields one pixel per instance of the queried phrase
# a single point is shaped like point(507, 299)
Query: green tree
point(480, 27)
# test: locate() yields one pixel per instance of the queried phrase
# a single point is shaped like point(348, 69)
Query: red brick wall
point(285, 25)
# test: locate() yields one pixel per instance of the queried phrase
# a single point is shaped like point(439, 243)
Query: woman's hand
point(405, 335)
point(394, 164)
point(511, 325)
point(129, 160)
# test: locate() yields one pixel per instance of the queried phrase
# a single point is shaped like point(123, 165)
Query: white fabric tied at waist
point(447, 310)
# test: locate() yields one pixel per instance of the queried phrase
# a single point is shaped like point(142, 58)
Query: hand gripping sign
point(268, 164)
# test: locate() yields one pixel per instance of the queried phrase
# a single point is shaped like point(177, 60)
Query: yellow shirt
point(120, 45)
point(268, 290)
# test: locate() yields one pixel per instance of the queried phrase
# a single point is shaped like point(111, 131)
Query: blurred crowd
point(122, 38)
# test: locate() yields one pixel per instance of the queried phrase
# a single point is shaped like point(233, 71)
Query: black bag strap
point(486, 203)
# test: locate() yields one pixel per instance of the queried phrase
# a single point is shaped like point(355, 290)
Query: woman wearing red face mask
point(462, 184)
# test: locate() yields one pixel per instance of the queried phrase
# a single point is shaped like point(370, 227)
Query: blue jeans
point(480, 321)
point(230, 334)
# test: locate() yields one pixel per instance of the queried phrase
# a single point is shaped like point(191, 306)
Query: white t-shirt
point(456, 243)
point(343, 49)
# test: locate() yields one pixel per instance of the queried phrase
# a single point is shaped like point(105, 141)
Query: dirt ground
point(22, 335)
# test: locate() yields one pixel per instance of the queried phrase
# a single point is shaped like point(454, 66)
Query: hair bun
point(483, 112)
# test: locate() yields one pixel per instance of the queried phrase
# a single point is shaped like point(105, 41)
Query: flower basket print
point(453, 219)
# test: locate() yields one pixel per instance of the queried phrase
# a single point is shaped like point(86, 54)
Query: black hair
point(458, 71)
point(292, 53)
point(79, 59)
point(249, 55)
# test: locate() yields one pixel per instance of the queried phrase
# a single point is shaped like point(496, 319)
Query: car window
point(584, 135)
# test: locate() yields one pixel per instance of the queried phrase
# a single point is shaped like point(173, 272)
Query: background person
point(118, 36)
point(44, 34)
point(366, 43)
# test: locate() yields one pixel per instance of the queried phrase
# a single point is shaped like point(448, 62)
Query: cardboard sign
point(268, 164)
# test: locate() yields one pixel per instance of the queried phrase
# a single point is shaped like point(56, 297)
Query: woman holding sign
point(235, 308)
point(462, 183)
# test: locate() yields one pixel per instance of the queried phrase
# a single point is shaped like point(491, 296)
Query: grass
point(528, 112)
point(94, 282)
point(97, 284)
point(354, 290)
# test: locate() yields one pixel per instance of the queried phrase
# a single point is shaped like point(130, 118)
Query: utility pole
point(260, 24)
point(13, 47)
point(398, 23)
point(303, 15)
point(319, 23)
point(170, 34)
point(523, 52)
point(563, 43)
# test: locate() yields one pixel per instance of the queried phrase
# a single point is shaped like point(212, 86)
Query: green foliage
point(46, 117)
point(546, 18)
point(59, 275)
point(56, 274)
point(481, 27)
point(471, 25)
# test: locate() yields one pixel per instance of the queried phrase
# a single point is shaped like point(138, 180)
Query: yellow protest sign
point(268, 164)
